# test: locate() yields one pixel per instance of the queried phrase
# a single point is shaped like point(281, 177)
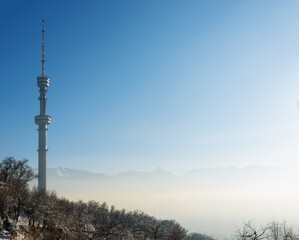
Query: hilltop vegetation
point(31, 214)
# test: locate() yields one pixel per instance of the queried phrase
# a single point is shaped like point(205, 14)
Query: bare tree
point(250, 232)
point(272, 231)
point(14, 176)
point(16, 172)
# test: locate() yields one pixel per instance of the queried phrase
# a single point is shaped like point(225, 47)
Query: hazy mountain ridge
point(64, 172)
point(73, 173)
point(204, 173)
point(203, 179)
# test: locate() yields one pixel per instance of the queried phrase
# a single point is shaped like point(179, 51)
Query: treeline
point(34, 214)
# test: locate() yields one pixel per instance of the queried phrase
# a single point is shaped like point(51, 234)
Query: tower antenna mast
point(43, 48)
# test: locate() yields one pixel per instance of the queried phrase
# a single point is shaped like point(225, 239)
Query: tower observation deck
point(42, 120)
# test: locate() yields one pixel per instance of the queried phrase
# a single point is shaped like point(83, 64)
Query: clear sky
point(142, 84)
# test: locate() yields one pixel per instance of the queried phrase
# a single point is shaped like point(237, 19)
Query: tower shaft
point(42, 120)
point(42, 157)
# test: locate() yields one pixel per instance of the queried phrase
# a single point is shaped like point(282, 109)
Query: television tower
point(42, 120)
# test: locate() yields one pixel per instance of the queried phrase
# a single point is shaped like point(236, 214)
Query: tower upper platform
point(42, 120)
point(43, 81)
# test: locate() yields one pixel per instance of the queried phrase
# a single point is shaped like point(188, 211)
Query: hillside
point(32, 214)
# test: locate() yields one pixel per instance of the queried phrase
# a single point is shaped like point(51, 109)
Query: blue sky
point(142, 84)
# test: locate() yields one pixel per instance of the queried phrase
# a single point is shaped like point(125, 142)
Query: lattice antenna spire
point(43, 48)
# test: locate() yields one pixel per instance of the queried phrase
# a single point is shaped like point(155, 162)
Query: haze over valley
point(214, 201)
